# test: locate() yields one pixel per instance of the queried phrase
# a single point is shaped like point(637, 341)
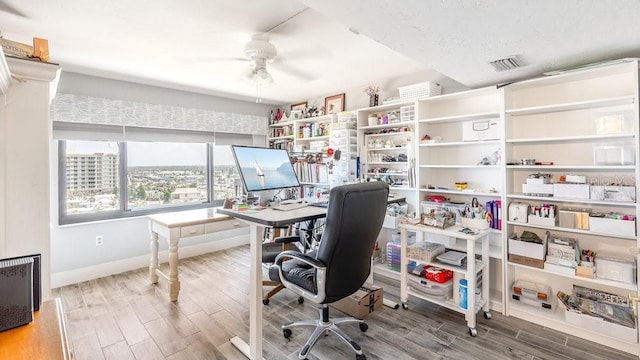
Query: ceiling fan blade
point(290, 70)
point(12, 10)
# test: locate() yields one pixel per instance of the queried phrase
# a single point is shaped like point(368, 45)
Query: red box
point(437, 274)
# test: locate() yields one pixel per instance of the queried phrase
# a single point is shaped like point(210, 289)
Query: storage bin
point(437, 274)
point(420, 90)
point(614, 122)
point(537, 189)
point(574, 218)
point(478, 130)
point(474, 224)
point(621, 153)
point(526, 248)
point(601, 327)
point(616, 267)
point(612, 224)
point(543, 221)
point(613, 193)
point(571, 191)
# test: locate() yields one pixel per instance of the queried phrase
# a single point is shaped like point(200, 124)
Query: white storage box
point(420, 90)
point(544, 221)
point(616, 267)
point(606, 224)
point(614, 154)
point(527, 249)
point(559, 269)
point(537, 189)
point(613, 193)
point(475, 224)
point(601, 327)
point(478, 130)
point(571, 191)
point(614, 122)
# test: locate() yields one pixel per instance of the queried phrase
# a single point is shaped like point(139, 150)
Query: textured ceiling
point(197, 45)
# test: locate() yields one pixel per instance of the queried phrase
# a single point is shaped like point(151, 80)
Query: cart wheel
point(361, 357)
point(286, 333)
point(300, 300)
point(265, 301)
point(405, 306)
point(364, 327)
point(487, 315)
point(473, 332)
point(396, 306)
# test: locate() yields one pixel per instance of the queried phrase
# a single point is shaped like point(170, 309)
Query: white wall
point(25, 137)
point(356, 98)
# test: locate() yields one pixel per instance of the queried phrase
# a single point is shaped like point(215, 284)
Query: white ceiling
point(196, 45)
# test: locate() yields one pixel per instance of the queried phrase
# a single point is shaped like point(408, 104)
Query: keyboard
point(289, 206)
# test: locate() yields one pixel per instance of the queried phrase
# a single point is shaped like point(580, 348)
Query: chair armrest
point(300, 257)
point(321, 275)
point(287, 239)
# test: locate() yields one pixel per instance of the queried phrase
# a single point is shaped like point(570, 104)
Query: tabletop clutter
point(439, 212)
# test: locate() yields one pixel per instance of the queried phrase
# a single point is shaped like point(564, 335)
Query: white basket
point(419, 90)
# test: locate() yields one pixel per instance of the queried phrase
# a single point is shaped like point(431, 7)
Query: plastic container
point(463, 294)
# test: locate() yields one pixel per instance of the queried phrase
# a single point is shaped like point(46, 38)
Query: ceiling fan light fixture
point(263, 77)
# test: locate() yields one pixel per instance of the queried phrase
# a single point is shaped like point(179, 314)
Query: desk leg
point(174, 283)
point(253, 350)
point(153, 262)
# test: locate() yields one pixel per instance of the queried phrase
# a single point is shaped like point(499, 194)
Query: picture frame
point(334, 104)
point(299, 106)
point(295, 114)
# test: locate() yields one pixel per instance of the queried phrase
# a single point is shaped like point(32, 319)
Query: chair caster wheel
point(487, 315)
point(361, 357)
point(364, 327)
point(405, 306)
point(300, 300)
point(473, 332)
point(286, 333)
point(265, 301)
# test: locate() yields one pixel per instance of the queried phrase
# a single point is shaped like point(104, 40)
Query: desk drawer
point(221, 225)
point(192, 230)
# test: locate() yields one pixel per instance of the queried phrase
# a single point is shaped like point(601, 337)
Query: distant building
point(188, 195)
point(92, 171)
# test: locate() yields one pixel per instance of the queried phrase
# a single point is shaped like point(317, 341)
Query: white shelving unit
point(470, 272)
point(447, 158)
point(553, 119)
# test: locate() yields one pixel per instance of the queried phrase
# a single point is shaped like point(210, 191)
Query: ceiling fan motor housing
point(260, 49)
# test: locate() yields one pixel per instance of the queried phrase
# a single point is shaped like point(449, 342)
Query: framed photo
point(334, 104)
point(295, 115)
point(299, 106)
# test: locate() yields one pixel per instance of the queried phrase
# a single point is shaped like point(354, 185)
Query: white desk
point(258, 220)
point(175, 226)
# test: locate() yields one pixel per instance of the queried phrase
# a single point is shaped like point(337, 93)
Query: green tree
point(141, 193)
point(167, 196)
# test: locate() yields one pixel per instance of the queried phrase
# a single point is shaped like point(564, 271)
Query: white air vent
point(509, 63)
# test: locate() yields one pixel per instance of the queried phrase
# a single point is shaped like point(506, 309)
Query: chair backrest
point(354, 220)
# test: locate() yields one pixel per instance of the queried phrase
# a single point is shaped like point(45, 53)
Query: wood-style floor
point(124, 317)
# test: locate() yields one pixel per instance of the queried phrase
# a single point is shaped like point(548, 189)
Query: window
point(107, 179)
point(161, 174)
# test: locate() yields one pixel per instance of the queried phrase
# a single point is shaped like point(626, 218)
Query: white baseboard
point(115, 267)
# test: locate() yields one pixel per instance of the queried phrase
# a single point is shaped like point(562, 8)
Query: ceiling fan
point(259, 51)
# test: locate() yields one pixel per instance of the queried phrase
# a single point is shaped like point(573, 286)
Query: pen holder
point(474, 224)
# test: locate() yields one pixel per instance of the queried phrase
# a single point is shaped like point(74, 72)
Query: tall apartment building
point(92, 171)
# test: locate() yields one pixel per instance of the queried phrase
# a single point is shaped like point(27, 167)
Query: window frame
point(124, 211)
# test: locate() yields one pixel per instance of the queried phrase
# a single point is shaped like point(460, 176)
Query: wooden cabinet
point(44, 339)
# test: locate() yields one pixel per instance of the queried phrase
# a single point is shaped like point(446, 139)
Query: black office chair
point(342, 262)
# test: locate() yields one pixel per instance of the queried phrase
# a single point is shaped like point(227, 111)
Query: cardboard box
point(362, 302)
point(571, 191)
point(523, 260)
point(479, 130)
point(527, 249)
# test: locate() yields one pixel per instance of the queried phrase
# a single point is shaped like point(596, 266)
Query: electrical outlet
point(99, 240)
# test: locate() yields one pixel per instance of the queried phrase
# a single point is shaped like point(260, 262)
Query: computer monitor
point(264, 168)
